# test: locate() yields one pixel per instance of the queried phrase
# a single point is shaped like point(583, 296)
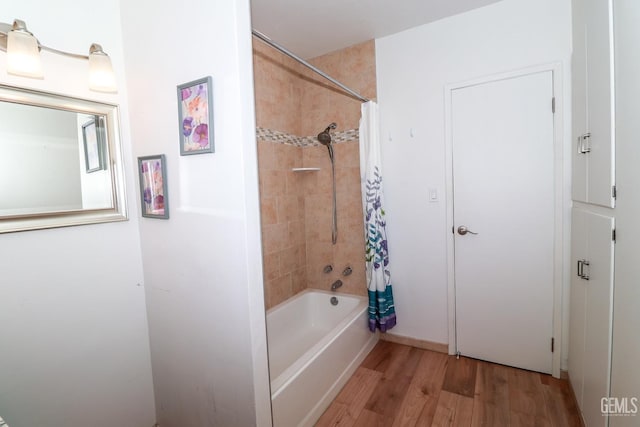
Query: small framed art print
point(195, 115)
point(152, 171)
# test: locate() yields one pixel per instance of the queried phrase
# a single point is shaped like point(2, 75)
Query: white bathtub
point(314, 348)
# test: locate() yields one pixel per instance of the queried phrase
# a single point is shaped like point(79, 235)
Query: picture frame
point(195, 116)
point(93, 144)
point(154, 201)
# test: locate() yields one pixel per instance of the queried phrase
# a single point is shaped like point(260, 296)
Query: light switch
point(433, 195)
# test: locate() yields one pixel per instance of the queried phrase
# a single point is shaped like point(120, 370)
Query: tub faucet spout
point(336, 285)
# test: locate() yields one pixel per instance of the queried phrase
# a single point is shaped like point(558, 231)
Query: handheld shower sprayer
point(324, 138)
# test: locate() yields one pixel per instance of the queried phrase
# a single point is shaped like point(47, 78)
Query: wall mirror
point(60, 161)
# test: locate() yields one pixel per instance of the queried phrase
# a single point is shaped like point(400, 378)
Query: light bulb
point(101, 76)
point(23, 55)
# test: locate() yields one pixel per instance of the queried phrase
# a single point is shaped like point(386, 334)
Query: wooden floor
point(398, 385)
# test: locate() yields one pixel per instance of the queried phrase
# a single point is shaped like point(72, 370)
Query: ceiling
point(311, 28)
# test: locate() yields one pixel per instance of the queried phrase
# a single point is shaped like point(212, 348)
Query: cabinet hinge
point(552, 344)
point(613, 235)
point(614, 191)
point(553, 104)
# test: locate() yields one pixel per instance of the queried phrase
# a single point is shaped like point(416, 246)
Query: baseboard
point(414, 342)
point(565, 375)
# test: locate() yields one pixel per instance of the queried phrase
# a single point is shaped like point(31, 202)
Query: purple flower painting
point(196, 117)
point(187, 126)
point(153, 186)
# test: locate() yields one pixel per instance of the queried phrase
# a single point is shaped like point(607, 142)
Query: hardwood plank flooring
point(491, 398)
point(421, 398)
point(402, 386)
point(461, 376)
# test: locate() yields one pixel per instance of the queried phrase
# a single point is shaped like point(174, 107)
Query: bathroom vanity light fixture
point(23, 57)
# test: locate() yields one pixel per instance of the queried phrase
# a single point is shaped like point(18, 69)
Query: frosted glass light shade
point(101, 76)
point(23, 56)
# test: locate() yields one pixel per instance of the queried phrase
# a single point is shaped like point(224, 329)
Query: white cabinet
point(591, 311)
point(593, 103)
point(593, 184)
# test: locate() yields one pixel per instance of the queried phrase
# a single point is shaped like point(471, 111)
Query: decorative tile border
point(277, 136)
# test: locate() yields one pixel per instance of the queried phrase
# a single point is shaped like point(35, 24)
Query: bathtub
point(314, 348)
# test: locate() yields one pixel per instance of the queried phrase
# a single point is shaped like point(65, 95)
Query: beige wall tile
point(275, 238)
point(273, 183)
point(290, 208)
point(266, 156)
point(347, 154)
point(289, 259)
point(277, 90)
point(268, 211)
point(279, 290)
point(285, 156)
point(297, 232)
point(298, 280)
point(349, 209)
point(295, 182)
point(271, 266)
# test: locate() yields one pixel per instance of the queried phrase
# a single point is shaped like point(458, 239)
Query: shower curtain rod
point(292, 55)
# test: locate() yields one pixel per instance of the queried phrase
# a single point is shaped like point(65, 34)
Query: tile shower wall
point(292, 104)
point(282, 207)
point(278, 90)
point(355, 67)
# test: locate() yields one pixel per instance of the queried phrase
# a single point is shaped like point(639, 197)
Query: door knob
point(462, 230)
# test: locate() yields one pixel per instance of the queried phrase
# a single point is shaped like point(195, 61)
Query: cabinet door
point(590, 327)
point(578, 301)
point(593, 103)
point(599, 316)
point(579, 102)
point(600, 101)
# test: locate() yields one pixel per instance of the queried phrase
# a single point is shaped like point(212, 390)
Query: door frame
point(559, 223)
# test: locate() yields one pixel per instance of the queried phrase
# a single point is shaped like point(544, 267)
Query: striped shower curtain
point(382, 313)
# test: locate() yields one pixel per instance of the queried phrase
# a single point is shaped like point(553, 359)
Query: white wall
point(625, 375)
point(202, 267)
point(413, 68)
point(73, 331)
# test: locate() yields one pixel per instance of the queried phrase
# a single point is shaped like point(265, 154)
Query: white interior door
point(503, 178)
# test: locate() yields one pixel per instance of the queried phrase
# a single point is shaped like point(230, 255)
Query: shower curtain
point(382, 313)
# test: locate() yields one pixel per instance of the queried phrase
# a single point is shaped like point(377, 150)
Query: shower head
point(325, 137)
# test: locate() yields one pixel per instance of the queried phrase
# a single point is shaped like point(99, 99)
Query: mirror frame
point(111, 115)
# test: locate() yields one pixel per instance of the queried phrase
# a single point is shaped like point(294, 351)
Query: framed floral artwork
point(195, 114)
point(153, 186)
